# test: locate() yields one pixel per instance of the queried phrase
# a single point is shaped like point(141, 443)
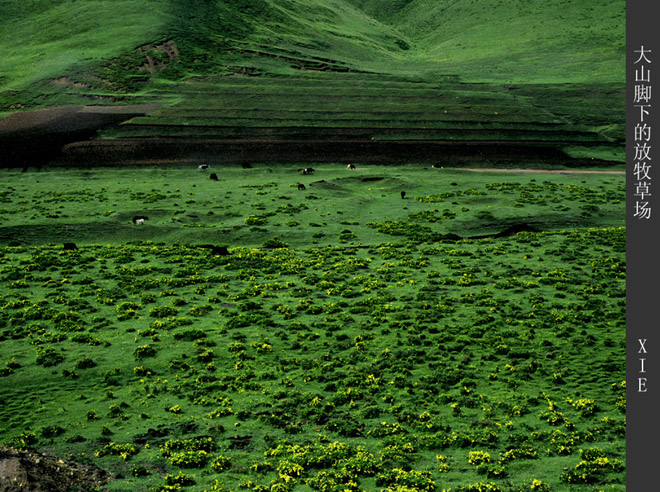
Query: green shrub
point(125, 451)
point(594, 467)
point(162, 311)
point(139, 471)
point(196, 444)
point(144, 351)
point(220, 464)
point(85, 363)
point(179, 479)
point(51, 431)
point(190, 459)
point(399, 478)
point(255, 220)
point(48, 357)
point(24, 440)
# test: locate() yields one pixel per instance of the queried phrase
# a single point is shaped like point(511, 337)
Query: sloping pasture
point(376, 352)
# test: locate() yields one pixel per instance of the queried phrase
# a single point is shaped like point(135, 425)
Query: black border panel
point(643, 244)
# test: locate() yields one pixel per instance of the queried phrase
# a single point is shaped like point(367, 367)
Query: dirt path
point(540, 171)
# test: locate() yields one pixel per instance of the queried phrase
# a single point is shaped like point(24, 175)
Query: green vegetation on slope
point(316, 63)
point(518, 42)
point(44, 40)
point(493, 364)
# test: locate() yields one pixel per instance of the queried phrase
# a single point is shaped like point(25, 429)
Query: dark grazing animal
point(308, 170)
point(350, 166)
point(70, 247)
point(214, 177)
point(216, 250)
point(403, 194)
point(301, 186)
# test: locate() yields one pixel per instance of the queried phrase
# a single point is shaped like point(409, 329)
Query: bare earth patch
point(541, 171)
point(29, 471)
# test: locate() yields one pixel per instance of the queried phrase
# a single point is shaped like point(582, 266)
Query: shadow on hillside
point(35, 138)
point(64, 137)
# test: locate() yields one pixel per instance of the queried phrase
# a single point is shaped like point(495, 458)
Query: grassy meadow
point(350, 341)
point(390, 328)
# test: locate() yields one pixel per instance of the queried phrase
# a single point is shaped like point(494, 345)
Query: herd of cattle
point(139, 220)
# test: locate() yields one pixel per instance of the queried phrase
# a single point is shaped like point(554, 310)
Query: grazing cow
point(403, 194)
point(214, 177)
point(436, 166)
point(301, 186)
point(216, 250)
point(350, 166)
point(139, 219)
point(203, 167)
point(70, 247)
point(308, 170)
point(246, 165)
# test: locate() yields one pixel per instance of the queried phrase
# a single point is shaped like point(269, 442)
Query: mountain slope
point(514, 41)
point(459, 70)
point(46, 39)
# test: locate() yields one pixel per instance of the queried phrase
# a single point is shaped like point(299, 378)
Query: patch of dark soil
point(325, 184)
point(153, 436)
point(239, 442)
point(515, 229)
point(29, 471)
point(512, 230)
point(187, 427)
point(34, 138)
point(178, 150)
point(138, 151)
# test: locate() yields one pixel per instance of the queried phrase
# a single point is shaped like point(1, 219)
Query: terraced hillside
point(343, 74)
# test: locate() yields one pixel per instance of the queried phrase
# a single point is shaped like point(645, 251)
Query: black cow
point(213, 177)
point(308, 170)
point(403, 194)
point(216, 250)
point(246, 165)
point(70, 247)
point(301, 186)
point(350, 166)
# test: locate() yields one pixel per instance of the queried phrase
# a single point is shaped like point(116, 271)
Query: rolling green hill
point(508, 67)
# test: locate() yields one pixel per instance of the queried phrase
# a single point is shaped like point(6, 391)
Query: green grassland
point(467, 336)
point(346, 343)
point(494, 70)
point(421, 39)
point(184, 206)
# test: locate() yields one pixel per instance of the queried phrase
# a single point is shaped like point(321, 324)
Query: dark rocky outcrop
point(30, 471)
